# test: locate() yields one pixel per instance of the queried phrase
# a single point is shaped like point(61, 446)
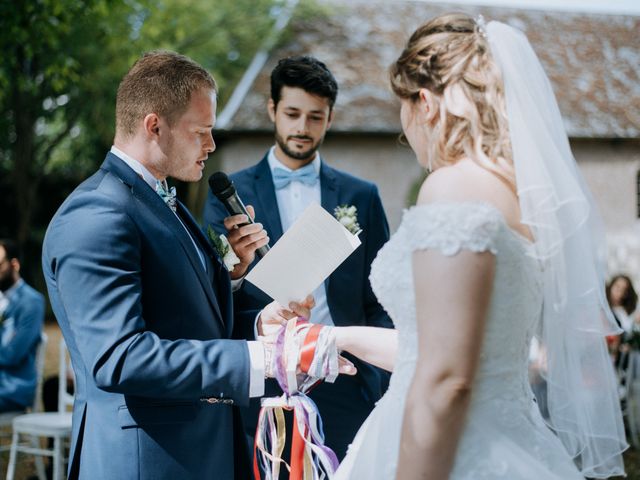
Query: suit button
point(210, 400)
point(215, 400)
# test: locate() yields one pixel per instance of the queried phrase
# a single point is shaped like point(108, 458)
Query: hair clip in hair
point(481, 25)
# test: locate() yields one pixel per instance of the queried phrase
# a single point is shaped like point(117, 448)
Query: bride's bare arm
point(374, 345)
point(452, 299)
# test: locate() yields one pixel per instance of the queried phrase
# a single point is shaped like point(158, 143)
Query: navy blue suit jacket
point(349, 296)
point(148, 329)
point(19, 338)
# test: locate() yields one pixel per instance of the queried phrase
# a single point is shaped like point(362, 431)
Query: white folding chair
point(6, 418)
point(56, 425)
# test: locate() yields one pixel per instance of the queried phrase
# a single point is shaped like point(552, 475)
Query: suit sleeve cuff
point(256, 375)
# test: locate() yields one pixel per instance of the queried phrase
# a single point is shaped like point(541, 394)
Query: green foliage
point(60, 67)
point(63, 60)
point(222, 35)
point(59, 72)
point(414, 189)
point(41, 72)
point(67, 56)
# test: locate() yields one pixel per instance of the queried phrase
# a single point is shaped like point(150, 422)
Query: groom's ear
point(151, 124)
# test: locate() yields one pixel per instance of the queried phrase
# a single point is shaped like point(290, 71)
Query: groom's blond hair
point(450, 57)
point(160, 82)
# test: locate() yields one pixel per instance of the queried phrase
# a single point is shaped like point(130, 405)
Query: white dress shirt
point(5, 297)
point(256, 350)
point(292, 201)
point(8, 328)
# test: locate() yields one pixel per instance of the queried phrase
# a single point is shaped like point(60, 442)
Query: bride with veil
point(503, 245)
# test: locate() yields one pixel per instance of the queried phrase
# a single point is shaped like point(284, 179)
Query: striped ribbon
point(310, 347)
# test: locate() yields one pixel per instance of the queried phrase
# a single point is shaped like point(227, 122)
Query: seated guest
point(623, 300)
point(21, 319)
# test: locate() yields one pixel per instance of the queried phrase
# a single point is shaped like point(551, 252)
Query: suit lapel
point(210, 257)
point(265, 192)
point(218, 274)
point(166, 217)
point(328, 188)
point(329, 192)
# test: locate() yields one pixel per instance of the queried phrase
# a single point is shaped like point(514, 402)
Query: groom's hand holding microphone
point(245, 237)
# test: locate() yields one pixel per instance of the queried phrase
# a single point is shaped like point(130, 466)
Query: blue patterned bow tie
point(168, 195)
point(306, 175)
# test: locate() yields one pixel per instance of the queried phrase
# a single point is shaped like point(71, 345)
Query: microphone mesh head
point(221, 185)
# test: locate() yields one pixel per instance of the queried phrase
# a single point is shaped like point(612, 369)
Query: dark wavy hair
point(304, 72)
point(630, 299)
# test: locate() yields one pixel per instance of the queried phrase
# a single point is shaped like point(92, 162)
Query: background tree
point(59, 71)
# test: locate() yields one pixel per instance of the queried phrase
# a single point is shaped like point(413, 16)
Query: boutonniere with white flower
point(223, 248)
point(347, 215)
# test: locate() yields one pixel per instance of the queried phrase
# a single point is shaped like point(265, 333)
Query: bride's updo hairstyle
point(450, 57)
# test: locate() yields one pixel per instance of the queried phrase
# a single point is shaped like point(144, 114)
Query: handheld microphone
point(225, 191)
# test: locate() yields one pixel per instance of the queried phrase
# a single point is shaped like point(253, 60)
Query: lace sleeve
point(451, 227)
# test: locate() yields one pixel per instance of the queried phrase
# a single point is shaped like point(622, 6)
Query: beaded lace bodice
point(505, 436)
point(516, 300)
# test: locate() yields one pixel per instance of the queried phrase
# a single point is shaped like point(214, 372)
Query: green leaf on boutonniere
point(224, 250)
point(216, 242)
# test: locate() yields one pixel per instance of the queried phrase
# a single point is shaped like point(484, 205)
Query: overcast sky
point(619, 7)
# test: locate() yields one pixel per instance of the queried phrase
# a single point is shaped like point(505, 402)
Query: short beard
point(7, 282)
point(298, 155)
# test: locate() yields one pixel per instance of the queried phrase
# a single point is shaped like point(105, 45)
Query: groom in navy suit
point(144, 302)
point(290, 177)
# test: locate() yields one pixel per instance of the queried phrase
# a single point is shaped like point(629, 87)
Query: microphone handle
point(234, 206)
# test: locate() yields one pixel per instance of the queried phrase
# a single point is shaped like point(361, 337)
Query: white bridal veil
point(582, 396)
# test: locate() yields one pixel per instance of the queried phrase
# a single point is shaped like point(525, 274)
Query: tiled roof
point(593, 62)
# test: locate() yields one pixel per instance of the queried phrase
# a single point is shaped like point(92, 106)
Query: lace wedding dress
point(505, 436)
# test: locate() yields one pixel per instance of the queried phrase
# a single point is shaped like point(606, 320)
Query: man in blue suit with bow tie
point(144, 302)
point(291, 176)
point(21, 318)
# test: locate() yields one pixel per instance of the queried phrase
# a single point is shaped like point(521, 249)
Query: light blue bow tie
point(168, 195)
point(306, 175)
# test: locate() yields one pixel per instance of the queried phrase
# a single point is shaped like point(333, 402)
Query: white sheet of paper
point(313, 247)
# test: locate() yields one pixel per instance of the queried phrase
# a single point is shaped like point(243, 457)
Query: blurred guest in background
point(623, 300)
point(21, 319)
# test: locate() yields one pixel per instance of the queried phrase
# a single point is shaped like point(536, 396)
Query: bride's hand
point(345, 366)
